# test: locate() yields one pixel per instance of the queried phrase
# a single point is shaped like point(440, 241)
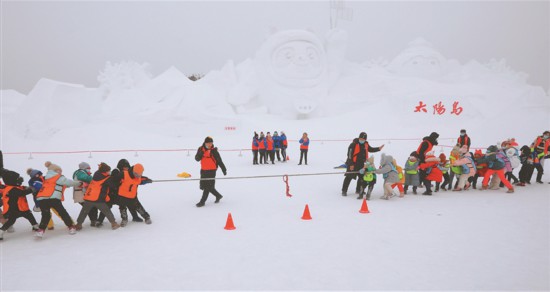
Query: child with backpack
point(481, 168)
point(444, 166)
point(369, 178)
point(455, 170)
point(468, 169)
point(401, 181)
point(411, 173)
point(513, 156)
point(496, 166)
point(389, 173)
point(83, 174)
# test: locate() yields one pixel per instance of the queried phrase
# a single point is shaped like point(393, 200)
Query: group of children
point(96, 193)
point(495, 167)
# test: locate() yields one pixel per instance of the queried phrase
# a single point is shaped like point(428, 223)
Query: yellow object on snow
point(184, 175)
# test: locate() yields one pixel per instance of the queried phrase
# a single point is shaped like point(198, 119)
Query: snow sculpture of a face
point(297, 63)
point(418, 60)
point(292, 68)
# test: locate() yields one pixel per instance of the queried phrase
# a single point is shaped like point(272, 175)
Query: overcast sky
point(71, 41)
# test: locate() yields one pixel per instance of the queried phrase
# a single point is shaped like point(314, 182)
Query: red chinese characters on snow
point(438, 108)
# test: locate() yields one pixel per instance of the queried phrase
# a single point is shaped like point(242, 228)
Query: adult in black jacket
point(210, 160)
point(426, 145)
point(356, 157)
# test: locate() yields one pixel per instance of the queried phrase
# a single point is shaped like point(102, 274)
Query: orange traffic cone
point(364, 207)
point(229, 224)
point(287, 157)
point(306, 215)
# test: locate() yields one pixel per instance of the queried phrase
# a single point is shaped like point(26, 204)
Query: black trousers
point(12, 217)
point(263, 157)
point(206, 192)
point(255, 155)
point(46, 205)
point(540, 171)
point(283, 153)
point(303, 154)
point(347, 182)
point(92, 214)
point(525, 172)
point(132, 205)
point(277, 152)
point(271, 154)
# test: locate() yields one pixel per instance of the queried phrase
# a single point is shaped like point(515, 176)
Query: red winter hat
point(442, 157)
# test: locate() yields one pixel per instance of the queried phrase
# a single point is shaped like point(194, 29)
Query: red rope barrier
point(285, 179)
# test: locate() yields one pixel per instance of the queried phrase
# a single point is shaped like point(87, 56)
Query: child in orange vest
point(97, 196)
point(51, 196)
point(401, 181)
point(14, 201)
point(127, 193)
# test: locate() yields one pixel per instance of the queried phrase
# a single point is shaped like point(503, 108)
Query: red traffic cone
point(229, 224)
point(306, 215)
point(364, 207)
point(287, 157)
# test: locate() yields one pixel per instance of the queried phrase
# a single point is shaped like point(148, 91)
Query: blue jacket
point(277, 141)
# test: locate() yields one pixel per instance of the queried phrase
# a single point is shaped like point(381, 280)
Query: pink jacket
point(465, 160)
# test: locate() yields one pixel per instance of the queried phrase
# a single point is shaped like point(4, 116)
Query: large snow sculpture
point(293, 70)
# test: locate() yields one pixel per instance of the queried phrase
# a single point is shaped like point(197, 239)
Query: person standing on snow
point(210, 160)
point(127, 193)
point(358, 153)
point(284, 145)
point(304, 147)
point(255, 146)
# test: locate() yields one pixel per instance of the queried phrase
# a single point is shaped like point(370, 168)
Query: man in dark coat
point(210, 160)
point(358, 152)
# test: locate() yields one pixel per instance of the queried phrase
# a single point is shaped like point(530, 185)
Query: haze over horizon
point(71, 42)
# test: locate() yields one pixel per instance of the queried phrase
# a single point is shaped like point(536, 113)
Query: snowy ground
point(450, 241)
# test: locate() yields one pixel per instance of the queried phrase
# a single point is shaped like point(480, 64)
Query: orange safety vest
point(430, 146)
point(357, 149)
point(254, 147)
point(261, 144)
point(208, 162)
point(21, 201)
point(94, 189)
point(269, 144)
point(539, 141)
point(48, 187)
point(128, 186)
point(466, 139)
point(285, 142)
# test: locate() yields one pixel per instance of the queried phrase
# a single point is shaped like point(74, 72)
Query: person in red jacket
point(464, 139)
point(304, 147)
point(210, 160)
point(433, 173)
point(255, 146)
